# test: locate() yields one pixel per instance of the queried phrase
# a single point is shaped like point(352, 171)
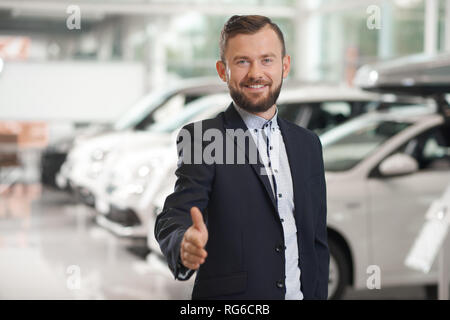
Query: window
point(289, 111)
point(171, 108)
point(431, 149)
point(435, 153)
point(327, 115)
point(347, 145)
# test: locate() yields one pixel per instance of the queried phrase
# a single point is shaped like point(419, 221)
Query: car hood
point(110, 141)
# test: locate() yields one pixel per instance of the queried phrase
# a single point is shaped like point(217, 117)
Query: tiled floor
point(51, 248)
point(47, 240)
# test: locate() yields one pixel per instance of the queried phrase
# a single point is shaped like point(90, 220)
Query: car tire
point(431, 292)
point(339, 271)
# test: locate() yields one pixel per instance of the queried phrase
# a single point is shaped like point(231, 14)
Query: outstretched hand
point(192, 250)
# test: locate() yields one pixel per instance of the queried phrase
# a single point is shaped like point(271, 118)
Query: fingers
point(197, 219)
point(191, 256)
point(191, 266)
point(192, 261)
point(194, 250)
point(193, 236)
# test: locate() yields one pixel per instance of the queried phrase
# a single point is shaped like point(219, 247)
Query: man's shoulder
point(212, 123)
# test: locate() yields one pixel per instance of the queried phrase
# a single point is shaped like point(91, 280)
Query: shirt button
point(256, 130)
point(276, 171)
point(270, 147)
point(282, 220)
point(280, 195)
point(280, 284)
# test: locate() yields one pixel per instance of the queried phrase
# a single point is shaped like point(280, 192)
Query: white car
point(383, 171)
point(158, 105)
point(316, 107)
point(128, 204)
point(138, 167)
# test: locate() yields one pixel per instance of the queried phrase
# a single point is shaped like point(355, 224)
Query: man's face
point(254, 69)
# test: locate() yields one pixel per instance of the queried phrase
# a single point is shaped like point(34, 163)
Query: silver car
point(383, 171)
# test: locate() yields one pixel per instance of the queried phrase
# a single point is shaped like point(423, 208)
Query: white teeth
point(257, 86)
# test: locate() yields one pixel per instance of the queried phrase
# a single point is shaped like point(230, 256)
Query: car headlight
point(143, 171)
point(95, 169)
point(135, 188)
point(99, 155)
point(96, 164)
point(136, 182)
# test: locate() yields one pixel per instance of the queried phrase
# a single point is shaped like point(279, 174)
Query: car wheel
point(339, 272)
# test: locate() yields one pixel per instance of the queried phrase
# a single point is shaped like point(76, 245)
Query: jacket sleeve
point(321, 234)
point(192, 188)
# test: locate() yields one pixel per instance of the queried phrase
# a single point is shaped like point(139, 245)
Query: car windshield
point(171, 124)
point(142, 108)
point(346, 145)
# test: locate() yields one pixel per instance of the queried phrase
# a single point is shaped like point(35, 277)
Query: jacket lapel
point(234, 121)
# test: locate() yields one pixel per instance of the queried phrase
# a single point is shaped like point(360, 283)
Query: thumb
point(197, 219)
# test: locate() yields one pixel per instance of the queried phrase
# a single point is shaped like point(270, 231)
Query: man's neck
point(268, 114)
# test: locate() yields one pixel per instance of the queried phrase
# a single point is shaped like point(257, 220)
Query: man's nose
point(255, 72)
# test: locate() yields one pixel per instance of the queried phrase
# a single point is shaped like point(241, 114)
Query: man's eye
point(241, 61)
point(267, 60)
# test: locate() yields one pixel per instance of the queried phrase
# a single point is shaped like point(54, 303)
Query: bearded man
point(250, 230)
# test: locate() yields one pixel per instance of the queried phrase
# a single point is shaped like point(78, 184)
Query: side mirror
point(398, 164)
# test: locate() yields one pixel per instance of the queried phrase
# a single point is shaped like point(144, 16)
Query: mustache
point(255, 82)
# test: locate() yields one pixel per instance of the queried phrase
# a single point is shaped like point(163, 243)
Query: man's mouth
point(256, 87)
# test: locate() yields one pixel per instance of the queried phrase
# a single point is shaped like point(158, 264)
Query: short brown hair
point(246, 24)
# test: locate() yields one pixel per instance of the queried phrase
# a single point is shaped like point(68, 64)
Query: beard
point(258, 104)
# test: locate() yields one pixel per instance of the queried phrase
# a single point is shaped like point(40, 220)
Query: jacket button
point(280, 284)
point(279, 248)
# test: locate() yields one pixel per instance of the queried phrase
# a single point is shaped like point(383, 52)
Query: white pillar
point(385, 44)
point(431, 26)
point(336, 51)
point(307, 42)
point(105, 36)
point(156, 60)
point(447, 26)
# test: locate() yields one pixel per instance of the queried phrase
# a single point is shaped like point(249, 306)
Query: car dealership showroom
point(94, 93)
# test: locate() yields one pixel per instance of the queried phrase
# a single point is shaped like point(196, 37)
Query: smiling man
point(253, 65)
point(251, 230)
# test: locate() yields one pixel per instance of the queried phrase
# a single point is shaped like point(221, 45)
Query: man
point(255, 230)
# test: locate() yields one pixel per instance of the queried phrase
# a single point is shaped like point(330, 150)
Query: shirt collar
point(253, 121)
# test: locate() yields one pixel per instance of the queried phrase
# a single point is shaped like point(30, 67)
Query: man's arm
point(192, 189)
point(321, 241)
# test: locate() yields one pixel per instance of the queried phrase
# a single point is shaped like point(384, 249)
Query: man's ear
point(221, 70)
point(286, 65)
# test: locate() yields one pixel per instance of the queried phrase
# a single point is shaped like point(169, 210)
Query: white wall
point(69, 91)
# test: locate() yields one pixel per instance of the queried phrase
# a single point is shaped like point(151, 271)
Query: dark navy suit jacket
point(245, 246)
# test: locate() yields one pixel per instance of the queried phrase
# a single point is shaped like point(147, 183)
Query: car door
point(398, 204)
